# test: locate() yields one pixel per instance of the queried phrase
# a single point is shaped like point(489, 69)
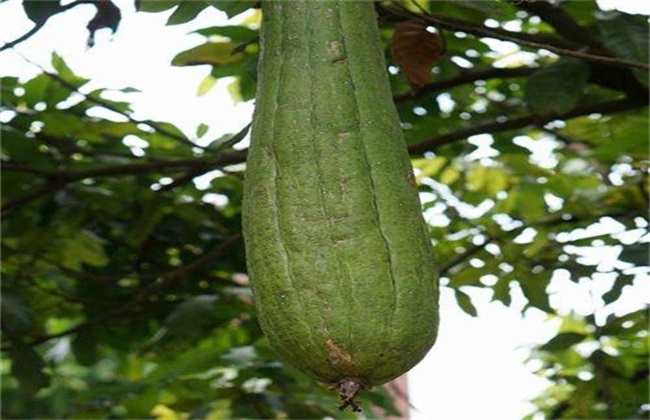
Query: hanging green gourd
point(339, 256)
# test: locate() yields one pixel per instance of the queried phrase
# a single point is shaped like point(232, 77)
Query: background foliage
point(124, 292)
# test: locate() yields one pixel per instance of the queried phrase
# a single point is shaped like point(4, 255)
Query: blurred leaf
point(201, 130)
point(189, 317)
point(563, 341)
point(65, 73)
point(206, 85)
point(83, 248)
point(558, 87)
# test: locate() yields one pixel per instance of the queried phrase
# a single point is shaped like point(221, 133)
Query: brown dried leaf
point(415, 50)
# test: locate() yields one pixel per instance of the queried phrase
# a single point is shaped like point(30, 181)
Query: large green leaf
point(558, 87)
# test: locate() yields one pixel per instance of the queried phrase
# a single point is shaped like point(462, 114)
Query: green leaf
point(557, 88)
point(185, 12)
point(232, 7)
point(563, 341)
point(65, 73)
point(234, 33)
point(465, 303)
point(627, 36)
point(29, 368)
point(213, 53)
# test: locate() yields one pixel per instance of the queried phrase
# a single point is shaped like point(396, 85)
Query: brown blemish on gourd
point(411, 179)
point(343, 135)
point(336, 354)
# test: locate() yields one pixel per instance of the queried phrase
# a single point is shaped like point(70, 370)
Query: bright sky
point(477, 369)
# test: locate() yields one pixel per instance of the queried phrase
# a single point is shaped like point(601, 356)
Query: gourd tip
point(348, 390)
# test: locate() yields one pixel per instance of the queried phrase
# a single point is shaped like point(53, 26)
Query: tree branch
point(619, 105)
point(516, 37)
point(561, 21)
point(463, 78)
point(71, 175)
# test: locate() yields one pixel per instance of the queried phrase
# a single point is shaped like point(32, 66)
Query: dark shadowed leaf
point(627, 36)
point(29, 368)
point(534, 289)
point(558, 87)
point(17, 316)
point(39, 11)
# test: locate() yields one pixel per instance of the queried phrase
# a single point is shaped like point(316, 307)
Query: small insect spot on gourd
point(341, 60)
point(343, 135)
point(333, 47)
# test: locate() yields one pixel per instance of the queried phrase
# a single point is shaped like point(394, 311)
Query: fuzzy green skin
point(339, 255)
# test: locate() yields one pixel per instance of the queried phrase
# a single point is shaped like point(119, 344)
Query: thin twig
point(38, 26)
